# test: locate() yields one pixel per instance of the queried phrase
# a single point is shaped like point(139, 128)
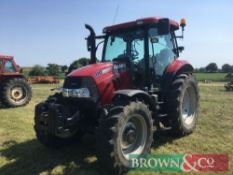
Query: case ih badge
point(123, 108)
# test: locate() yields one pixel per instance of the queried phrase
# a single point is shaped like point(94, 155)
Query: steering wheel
point(134, 53)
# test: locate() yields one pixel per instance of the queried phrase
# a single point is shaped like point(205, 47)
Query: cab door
point(162, 51)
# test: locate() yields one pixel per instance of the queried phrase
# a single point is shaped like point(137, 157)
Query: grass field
point(217, 77)
point(22, 154)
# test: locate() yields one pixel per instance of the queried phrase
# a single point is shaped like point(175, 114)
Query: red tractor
point(139, 86)
point(14, 89)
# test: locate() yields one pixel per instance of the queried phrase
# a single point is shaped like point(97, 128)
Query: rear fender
point(176, 68)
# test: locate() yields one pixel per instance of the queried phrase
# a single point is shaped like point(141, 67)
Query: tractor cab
point(141, 51)
point(8, 65)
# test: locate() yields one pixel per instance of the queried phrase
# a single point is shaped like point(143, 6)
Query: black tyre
point(183, 104)
point(41, 127)
point(16, 92)
point(43, 123)
point(124, 131)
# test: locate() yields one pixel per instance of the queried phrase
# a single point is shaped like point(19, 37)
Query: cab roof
point(6, 57)
point(142, 21)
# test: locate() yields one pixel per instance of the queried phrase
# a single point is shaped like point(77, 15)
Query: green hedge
point(210, 76)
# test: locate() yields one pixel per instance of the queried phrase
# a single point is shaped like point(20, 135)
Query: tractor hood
point(92, 70)
point(102, 75)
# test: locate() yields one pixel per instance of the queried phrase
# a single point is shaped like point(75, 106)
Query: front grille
point(82, 82)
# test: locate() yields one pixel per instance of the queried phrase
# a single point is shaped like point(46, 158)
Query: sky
point(52, 31)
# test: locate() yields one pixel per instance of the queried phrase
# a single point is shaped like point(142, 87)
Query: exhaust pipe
point(91, 45)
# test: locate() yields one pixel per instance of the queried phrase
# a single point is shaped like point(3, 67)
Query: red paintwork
point(122, 78)
point(107, 82)
point(103, 81)
point(150, 20)
point(90, 70)
point(4, 58)
point(176, 65)
point(3, 73)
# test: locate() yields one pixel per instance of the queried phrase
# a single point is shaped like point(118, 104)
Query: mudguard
point(124, 96)
point(174, 69)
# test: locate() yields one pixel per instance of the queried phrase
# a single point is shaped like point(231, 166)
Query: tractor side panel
point(122, 78)
point(111, 82)
point(106, 88)
point(107, 77)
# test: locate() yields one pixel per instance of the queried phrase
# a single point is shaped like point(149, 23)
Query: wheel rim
point(133, 136)
point(18, 94)
point(189, 106)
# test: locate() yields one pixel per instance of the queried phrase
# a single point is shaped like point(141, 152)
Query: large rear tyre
point(16, 92)
point(124, 131)
point(183, 104)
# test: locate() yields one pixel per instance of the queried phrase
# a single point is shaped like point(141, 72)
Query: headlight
point(82, 92)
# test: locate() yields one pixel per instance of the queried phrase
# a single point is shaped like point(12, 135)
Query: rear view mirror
point(163, 26)
point(178, 49)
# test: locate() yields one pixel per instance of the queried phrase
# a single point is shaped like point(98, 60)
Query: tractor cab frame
point(146, 47)
point(8, 65)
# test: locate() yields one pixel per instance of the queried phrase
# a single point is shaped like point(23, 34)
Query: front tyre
point(183, 104)
point(124, 131)
point(43, 123)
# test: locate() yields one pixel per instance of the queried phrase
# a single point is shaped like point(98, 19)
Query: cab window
point(160, 51)
point(9, 67)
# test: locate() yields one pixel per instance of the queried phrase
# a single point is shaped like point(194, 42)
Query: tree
point(64, 68)
point(78, 63)
point(202, 69)
point(53, 69)
point(212, 67)
point(227, 68)
point(37, 70)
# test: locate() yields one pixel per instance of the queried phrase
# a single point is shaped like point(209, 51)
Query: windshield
point(127, 43)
